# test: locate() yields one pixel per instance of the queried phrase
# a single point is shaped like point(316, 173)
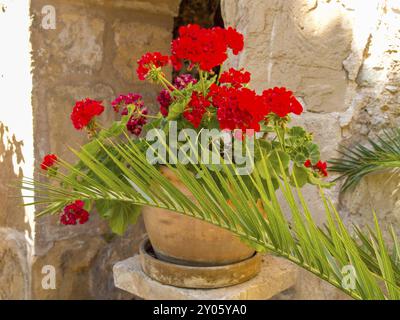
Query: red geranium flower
point(320, 166)
point(196, 109)
point(147, 61)
point(74, 213)
point(234, 40)
point(48, 161)
point(205, 47)
point(137, 120)
point(84, 111)
point(123, 100)
point(164, 97)
point(238, 108)
point(307, 163)
point(282, 102)
point(235, 77)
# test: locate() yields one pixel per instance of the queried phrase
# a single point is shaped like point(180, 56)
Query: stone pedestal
point(276, 276)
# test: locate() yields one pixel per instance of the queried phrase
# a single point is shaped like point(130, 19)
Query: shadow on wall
point(14, 251)
point(12, 213)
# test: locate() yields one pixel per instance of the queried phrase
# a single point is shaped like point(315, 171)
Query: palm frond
point(358, 161)
point(323, 251)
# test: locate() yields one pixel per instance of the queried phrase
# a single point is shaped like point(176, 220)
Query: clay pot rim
point(145, 244)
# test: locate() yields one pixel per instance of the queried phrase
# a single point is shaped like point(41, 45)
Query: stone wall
point(16, 149)
point(341, 58)
point(91, 52)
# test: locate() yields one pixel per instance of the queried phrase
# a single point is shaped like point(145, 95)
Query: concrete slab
point(276, 275)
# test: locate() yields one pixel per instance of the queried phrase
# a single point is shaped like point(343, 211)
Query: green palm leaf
point(322, 251)
point(359, 161)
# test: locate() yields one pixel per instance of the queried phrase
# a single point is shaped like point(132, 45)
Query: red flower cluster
point(74, 213)
point(238, 108)
point(84, 111)
point(320, 166)
point(48, 161)
point(164, 98)
point(236, 78)
point(205, 47)
point(137, 120)
point(196, 108)
point(147, 61)
point(282, 102)
point(180, 82)
point(123, 100)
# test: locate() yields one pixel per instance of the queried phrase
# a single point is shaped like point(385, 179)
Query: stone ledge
point(276, 276)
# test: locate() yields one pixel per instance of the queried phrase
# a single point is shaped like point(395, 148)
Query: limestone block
point(133, 39)
point(72, 260)
point(49, 230)
point(75, 46)
point(118, 248)
point(59, 103)
point(159, 7)
point(82, 259)
point(297, 44)
point(379, 192)
point(14, 268)
point(276, 276)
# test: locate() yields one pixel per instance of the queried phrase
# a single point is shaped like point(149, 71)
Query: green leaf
point(313, 151)
point(301, 175)
point(257, 247)
point(153, 124)
point(118, 214)
point(383, 153)
point(91, 147)
point(296, 131)
point(122, 180)
point(265, 145)
point(300, 158)
point(279, 156)
point(319, 182)
point(177, 108)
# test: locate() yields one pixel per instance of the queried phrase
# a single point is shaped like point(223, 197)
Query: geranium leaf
point(177, 108)
point(278, 157)
point(118, 214)
point(301, 175)
point(313, 151)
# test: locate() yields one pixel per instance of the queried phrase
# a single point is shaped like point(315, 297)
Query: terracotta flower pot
point(186, 240)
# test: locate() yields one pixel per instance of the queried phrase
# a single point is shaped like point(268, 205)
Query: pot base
point(200, 277)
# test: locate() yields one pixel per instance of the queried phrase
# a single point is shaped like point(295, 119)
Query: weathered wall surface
point(16, 148)
point(91, 52)
point(342, 59)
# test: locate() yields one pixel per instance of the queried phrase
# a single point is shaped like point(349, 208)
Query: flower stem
point(149, 116)
point(202, 81)
point(168, 85)
point(281, 136)
point(219, 73)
